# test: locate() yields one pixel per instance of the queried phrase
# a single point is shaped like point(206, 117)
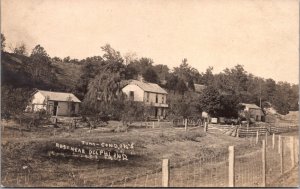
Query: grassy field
point(27, 153)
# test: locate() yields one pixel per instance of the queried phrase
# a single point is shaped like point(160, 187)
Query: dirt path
point(290, 179)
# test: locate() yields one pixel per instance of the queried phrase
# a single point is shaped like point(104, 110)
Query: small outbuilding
point(54, 103)
point(254, 112)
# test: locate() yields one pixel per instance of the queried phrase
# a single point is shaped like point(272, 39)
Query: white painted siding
point(138, 92)
point(76, 108)
point(162, 98)
point(37, 101)
point(62, 109)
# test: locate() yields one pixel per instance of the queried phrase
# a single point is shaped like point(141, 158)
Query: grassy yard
point(150, 146)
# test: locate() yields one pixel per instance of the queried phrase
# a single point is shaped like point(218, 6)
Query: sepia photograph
point(149, 93)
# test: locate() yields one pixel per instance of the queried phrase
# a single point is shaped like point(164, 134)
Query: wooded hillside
point(89, 77)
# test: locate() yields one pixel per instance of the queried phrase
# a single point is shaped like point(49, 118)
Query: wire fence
point(250, 169)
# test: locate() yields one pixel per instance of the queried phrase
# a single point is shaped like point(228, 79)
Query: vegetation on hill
point(97, 81)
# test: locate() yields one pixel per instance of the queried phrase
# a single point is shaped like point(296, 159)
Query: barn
point(54, 103)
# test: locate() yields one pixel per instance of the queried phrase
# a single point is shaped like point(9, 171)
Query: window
point(131, 95)
point(147, 96)
point(73, 107)
point(156, 99)
point(162, 99)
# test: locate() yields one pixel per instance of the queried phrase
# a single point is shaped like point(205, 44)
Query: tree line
point(102, 78)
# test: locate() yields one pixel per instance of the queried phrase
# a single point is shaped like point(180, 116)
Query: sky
point(262, 35)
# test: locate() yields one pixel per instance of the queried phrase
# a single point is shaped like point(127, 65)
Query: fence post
point(263, 163)
point(185, 124)
point(231, 182)
point(158, 122)
point(273, 141)
point(237, 132)
point(279, 144)
point(165, 173)
point(205, 127)
point(257, 136)
point(281, 156)
point(266, 137)
point(292, 149)
point(297, 151)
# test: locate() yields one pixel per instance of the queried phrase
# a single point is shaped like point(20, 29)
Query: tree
point(172, 81)
point(111, 55)
point(129, 57)
point(281, 99)
point(21, 49)
point(56, 59)
point(191, 84)
point(41, 64)
point(210, 101)
point(207, 77)
point(162, 71)
point(183, 71)
point(39, 55)
point(229, 106)
point(130, 72)
point(184, 106)
point(67, 59)
point(181, 86)
point(105, 88)
point(141, 64)
point(91, 67)
point(150, 76)
point(2, 42)
point(14, 100)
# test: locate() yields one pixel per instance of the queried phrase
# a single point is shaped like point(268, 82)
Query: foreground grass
point(151, 145)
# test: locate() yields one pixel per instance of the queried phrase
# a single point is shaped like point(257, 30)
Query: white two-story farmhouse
point(150, 94)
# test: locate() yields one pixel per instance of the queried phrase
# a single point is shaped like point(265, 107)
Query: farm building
point(199, 88)
point(150, 94)
point(55, 103)
point(254, 111)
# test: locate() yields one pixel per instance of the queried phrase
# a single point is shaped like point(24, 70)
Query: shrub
point(191, 135)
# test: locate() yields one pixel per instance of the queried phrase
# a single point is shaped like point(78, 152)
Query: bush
point(191, 135)
point(14, 100)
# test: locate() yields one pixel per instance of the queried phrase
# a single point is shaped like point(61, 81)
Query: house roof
point(59, 96)
point(199, 88)
point(251, 106)
point(149, 87)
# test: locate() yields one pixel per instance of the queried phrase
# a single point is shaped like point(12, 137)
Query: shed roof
point(149, 87)
point(251, 106)
point(59, 96)
point(199, 88)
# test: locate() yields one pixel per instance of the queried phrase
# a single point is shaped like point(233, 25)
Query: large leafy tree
point(105, 88)
point(142, 64)
point(40, 66)
point(181, 86)
point(207, 77)
point(14, 100)
point(162, 71)
point(210, 101)
point(187, 73)
point(172, 81)
point(91, 67)
point(150, 76)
